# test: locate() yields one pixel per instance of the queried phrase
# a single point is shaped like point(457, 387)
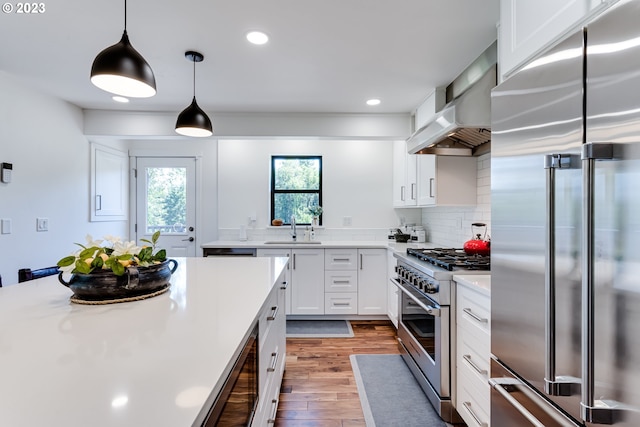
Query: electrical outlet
point(346, 221)
point(42, 224)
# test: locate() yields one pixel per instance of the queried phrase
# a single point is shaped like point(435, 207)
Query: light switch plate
point(6, 226)
point(42, 224)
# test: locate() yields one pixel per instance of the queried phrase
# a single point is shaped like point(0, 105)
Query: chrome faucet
point(293, 228)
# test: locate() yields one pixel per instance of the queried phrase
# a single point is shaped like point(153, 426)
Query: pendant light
point(120, 69)
point(192, 121)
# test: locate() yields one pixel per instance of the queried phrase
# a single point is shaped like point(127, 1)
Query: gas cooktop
point(451, 259)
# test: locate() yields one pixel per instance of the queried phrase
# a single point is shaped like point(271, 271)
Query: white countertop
point(147, 363)
point(481, 283)
point(324, 244)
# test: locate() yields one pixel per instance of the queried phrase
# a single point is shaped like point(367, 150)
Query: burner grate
point(451, 258)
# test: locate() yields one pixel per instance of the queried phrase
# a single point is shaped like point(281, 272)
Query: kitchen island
point(155, 362)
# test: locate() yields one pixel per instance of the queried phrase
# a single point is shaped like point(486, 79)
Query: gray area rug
point(390, 395)
point(319, 329)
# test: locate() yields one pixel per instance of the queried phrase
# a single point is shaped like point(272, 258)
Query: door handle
point(190, 239)
point(554, 385)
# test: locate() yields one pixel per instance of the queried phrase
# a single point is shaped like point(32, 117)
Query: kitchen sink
point(292, 242)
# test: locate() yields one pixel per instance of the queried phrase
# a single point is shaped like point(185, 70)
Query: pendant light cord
point(194, 78)
point(125, 15)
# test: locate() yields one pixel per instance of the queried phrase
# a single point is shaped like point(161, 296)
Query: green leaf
point(145, 254)
point(155, 237)
point(82, 267)
point(87, 253)
point(66, 261)
point(161, 255)
point(146, 241)
point(124, 257)
point(117, 268)
point(97, 262)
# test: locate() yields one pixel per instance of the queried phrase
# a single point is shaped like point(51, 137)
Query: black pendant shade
point(192, 121)
point(120, 69)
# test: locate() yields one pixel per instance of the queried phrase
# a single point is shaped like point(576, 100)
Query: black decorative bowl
point(103, 285)
point(402, 238)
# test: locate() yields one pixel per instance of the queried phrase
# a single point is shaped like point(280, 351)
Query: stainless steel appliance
point(565, 219)
point(426, 318)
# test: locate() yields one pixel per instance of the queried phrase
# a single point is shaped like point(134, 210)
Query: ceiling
point(326, 56)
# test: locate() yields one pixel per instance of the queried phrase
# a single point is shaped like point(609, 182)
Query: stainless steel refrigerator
point(565, 249)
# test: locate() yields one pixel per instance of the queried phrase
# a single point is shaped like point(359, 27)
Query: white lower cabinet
point(372, 281)
point(271, 353)
point(473, 318)
point(307, 281)
point(285, 252)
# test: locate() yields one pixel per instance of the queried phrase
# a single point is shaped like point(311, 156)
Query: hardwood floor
point(319, 388)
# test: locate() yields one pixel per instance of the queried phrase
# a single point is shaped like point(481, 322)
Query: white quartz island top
point(288, 243)
point(146, 363)
point(479, 282)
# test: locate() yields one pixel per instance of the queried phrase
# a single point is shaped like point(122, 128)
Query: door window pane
point(166, 200)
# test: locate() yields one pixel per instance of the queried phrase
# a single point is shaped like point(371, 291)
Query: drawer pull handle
point(274, 313)
point(344, 304)
point(274, 411)
point(274, 362)
point(341, 260)
point(475, 316)
point(341, 281)
point(284, 285)
point(481, 371)
point(467, 405)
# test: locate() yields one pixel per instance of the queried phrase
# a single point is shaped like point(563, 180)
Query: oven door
point(423, 331)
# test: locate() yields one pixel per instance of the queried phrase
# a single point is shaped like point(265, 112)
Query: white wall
point(42, 136)
point(357, 183)
point(451, 226)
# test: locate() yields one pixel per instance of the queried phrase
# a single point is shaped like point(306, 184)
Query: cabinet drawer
point(473, 399)
point(474, 353)
point(341, 303)
point(340, 259)
point(271, 316)
point(474, 308)
point(341, 281)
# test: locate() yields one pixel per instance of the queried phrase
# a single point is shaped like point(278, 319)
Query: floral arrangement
point(115, 255)
point(315, 210)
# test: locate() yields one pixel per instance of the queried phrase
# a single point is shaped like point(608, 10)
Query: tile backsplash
point(450, 226)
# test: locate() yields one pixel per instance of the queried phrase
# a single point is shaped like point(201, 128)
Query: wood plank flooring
point(319, 388)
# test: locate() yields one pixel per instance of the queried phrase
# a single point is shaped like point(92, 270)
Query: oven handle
point(432, 311)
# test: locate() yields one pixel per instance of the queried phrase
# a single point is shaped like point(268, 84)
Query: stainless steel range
point(426, 318)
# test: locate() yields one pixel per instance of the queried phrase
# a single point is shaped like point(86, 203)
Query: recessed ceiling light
point(120, 99)
point(257, 37)
point(373, 101)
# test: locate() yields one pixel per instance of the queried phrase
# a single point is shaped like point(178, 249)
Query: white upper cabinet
point(446, 180)
point(528, 26)
point(109, 184)
point(405, 191)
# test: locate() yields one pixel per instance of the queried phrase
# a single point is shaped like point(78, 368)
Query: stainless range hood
point(463, 126)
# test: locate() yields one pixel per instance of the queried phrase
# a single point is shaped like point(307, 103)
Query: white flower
point(112, 239)
point(125, 248)
point(92, 243)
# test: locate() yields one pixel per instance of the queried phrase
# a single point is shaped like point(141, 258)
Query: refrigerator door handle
point(554, 385)
point(591, 410)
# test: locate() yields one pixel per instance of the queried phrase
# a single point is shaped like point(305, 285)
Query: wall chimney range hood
point(463, 126)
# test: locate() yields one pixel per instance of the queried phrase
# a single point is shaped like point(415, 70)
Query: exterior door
point(165, 202)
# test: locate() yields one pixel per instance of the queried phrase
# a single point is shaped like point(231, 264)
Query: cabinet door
point(307, 281)
point(372, 281)
point(109, 184)
point(427, 179)
point(284, 252)
point(405, 183)
point(526, 27)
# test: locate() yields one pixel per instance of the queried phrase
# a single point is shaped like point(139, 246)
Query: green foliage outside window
point(296, 185)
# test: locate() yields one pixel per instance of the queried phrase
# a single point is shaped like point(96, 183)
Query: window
point(296, 185)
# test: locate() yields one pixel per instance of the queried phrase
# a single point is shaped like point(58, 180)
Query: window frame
point(274, 191)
